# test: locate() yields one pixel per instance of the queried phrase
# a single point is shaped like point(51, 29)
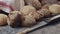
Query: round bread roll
point(55, 9)
point(27, 9)
point(34, 3)
point(29, 15)
point(3, 19)
point(14, 19)
point(30, 19)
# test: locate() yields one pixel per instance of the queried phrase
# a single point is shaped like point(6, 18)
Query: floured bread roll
point(3, 19)
point(29, 15)
point(54, 8)
point(30, 19)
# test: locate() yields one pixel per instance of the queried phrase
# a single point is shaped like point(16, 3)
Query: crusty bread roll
point(29, 15)
point(54, 8)
point(3, 19)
